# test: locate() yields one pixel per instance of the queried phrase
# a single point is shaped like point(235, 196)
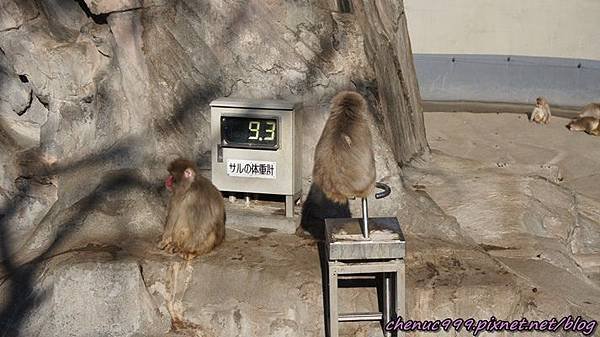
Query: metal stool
point(366, 246)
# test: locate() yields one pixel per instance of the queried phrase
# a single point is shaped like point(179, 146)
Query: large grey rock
point(21, 113)
point(525, 191)
point(26, 211)
point(123, 210)
point(530, 219)
point(271, 285)
point(13, 14)
point(511, 215)
point(89, 294)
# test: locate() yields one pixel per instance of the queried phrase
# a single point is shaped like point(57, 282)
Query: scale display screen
point(249, 132)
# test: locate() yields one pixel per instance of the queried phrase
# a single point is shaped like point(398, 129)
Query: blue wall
point(503, 78)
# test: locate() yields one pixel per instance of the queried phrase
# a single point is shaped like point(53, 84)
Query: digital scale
point(256, 147)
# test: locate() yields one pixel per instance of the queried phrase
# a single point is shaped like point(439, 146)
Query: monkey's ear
point(188, 173)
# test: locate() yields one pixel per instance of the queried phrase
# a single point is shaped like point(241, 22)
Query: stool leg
point(387, 302)
point(400, 295)
point(333, 302)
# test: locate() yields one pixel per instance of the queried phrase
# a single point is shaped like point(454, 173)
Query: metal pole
point(361, 317)
point(365, 218)
point(387, 301)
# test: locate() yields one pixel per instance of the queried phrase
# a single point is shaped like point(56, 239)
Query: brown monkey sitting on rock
point(196, 212)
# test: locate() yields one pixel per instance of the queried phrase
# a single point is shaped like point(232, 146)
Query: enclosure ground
point(507, 139)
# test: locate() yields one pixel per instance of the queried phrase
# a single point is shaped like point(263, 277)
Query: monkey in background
point(590, 110)
point(590, 125)
point(196, 212)
point(344, 165)
point(541, 112)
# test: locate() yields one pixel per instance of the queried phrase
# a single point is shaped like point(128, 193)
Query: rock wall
point(96, 94)
point(93, 89)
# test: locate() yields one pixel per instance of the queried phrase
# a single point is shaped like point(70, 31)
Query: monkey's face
point(568, 126)
point(574, 126)
point(182, 173)
point(179, 180)
point(169, 183)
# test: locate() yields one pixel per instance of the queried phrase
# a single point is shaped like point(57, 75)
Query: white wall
point(551, 28)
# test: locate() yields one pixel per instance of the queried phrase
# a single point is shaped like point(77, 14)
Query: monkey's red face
point(169, 183)
point(179, 181)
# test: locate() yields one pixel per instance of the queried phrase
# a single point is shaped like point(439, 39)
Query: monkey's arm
point(172, 216)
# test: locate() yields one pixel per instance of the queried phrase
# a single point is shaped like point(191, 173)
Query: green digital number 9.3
point(254, 126)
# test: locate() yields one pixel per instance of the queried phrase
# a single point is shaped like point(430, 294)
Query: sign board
point(256, 147)
point(251, 168)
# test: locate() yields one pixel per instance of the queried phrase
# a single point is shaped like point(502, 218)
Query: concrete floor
point(507, 139)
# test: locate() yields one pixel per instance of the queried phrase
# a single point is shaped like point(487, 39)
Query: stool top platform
point(345, 241)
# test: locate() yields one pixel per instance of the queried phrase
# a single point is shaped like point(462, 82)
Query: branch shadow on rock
point(22, 279)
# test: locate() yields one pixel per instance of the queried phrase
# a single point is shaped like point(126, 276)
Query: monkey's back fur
point(591, 110)
point(196, 217)
point(344, 165)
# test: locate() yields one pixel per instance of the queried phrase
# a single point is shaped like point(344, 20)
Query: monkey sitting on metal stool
point(344, 165)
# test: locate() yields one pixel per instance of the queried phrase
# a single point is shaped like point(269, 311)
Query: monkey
point(195, 221)
point(590, 110)
point(590, 125)
point(344, 163)
point(541, 112)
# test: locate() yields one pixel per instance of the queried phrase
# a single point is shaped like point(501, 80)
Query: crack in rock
point(17, 27)
point(24, 110)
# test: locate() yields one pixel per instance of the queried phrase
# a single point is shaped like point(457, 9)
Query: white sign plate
point(251, 168)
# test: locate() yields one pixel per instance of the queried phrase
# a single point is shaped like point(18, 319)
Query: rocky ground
point(488, 235)
point(527, 195)
point(509, 139)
